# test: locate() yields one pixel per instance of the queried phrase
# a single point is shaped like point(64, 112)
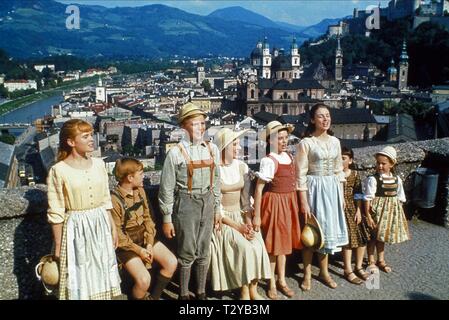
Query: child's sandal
point(362, 274)
point(328, 281)
point(382, 265)
point(354, 279)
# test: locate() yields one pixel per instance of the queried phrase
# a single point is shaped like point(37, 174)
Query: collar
point(125, 193)
point(188, 143)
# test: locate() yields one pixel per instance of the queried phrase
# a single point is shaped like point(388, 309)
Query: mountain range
point(34, 28)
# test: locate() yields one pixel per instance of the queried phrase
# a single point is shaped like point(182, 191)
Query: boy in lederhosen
point(137, 248)
point(189, 198)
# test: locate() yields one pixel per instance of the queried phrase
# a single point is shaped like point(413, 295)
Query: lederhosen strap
point(197, 164)
point(127, 210)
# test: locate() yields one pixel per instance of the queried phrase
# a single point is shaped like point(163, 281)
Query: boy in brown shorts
point(137, 247)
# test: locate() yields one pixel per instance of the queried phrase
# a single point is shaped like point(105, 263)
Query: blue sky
point(299, 12)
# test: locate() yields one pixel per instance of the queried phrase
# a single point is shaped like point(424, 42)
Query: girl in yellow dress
point(84, 233)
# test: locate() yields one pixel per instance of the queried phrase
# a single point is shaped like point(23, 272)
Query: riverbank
point(24, 101)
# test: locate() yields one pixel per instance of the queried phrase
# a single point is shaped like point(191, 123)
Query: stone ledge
point(23, 201)
point(409, 152)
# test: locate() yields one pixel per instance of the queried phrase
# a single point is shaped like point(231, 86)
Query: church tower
point(100, 92)
point(200, 73)
point(266, 60)
point(403, 68)
point(338, 62)
point(296, 59)
point(392, 72)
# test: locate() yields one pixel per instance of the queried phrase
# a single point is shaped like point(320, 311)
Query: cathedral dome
point(282, 63)
point(256, 53)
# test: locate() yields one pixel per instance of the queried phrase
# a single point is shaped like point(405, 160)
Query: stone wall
point(25, 235)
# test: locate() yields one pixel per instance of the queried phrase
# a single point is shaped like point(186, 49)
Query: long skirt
point(280, 222)
point(88, 264)
point(236, 261)
point(326, 203)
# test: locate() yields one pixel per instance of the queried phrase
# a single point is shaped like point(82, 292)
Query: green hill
point(32, 28)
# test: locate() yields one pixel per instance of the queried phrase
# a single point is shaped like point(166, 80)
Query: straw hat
point(273, 127)
point(389, 152)
point(189, 110)
point(312, 236)
point(47, 270)
point(226, 136)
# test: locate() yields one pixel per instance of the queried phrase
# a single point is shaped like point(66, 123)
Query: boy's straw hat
point(189, 110)
point(273, 127)
point(226, 136)
point(389, 152)
point(312, 236)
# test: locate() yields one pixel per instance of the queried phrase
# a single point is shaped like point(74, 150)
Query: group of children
point(205, 204)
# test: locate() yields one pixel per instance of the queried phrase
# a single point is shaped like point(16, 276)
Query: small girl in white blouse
point(79, 204)
point(383, 197)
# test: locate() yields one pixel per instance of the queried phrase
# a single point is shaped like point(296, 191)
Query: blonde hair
point(70, 129)
point(125, 166)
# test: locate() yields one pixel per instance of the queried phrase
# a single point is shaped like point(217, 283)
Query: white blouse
point(369, 187)
point(230, 174)
point(267, 166)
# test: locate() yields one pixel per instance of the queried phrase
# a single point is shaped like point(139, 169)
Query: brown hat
point(275, 126)
point(312, 236)
point(189, 110)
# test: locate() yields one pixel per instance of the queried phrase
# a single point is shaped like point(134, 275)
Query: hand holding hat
point(312, 236)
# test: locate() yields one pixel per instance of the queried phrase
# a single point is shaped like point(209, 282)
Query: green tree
point(3, 91)
point(7, 138)
point(206, 85)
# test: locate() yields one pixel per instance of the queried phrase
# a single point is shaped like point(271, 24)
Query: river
point(30, 112)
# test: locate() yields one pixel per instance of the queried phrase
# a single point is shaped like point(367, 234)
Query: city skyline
point(311, 11)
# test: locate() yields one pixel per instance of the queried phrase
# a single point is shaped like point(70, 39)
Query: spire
point(265, 43)
point(338, 52)
point(294, 44)
point(404, 56)
point(100, 82)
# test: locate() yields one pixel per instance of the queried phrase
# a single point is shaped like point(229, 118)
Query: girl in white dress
point(84, 232)
point(238, 255)
point(320, 180)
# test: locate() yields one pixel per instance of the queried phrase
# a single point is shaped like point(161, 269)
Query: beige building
point(208, 104)
point(14, 85)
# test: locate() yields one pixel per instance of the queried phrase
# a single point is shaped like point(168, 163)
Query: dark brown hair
point(311, 126)
point(268, 147)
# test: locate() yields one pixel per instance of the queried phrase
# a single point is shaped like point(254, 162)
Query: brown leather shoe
point(285, 290)
point(354, 279)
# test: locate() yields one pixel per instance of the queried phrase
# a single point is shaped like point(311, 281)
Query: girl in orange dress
point(276, 206)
